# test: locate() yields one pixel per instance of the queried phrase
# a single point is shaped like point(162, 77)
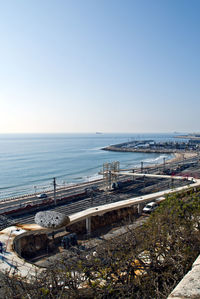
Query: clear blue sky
point(106, 65)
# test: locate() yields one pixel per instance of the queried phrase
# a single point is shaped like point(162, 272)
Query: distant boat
point(99, 133)
point(178, 133)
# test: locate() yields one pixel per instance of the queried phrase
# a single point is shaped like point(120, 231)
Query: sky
point(99, 65)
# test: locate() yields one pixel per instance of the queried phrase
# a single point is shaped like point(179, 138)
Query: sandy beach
point(181, 156)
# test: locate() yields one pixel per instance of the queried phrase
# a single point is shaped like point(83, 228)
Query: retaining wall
point(189, 286)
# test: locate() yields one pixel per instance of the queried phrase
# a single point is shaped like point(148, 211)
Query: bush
point(147, 262)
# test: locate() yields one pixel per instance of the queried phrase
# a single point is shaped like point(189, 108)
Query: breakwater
point(30, 162)
point(150, 146)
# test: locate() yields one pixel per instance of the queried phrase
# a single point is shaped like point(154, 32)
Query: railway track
point(72, 206)
point(137, 188)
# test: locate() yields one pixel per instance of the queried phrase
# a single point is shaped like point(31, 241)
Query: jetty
point(151, 146)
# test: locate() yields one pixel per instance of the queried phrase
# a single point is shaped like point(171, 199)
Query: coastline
point(181, 156)
point(177, 156)
point(72, 160)
point(148, 146)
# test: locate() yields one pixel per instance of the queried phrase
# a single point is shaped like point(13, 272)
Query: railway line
point(138, 187)
point(73, 199)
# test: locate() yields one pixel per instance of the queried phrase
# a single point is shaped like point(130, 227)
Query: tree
point(146, 262)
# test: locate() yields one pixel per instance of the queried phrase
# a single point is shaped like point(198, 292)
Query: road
point(28, 270)
point(137, 187)
point(15, 203)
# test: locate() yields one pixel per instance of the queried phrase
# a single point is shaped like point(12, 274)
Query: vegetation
point(147, 262)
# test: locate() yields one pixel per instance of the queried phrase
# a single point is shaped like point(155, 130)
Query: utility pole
point(54, 190)
point(164, 163)
point(142, 166)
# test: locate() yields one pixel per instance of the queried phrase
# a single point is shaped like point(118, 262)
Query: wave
point(94, 177)
point(157, 159)
point(70, 158)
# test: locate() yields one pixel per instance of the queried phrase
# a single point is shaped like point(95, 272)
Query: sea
point(29, 162)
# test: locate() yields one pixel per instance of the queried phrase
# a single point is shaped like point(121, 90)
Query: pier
point(151, 146)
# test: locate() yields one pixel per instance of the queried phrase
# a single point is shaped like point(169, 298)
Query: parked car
point(42, 195)
point(150, 207)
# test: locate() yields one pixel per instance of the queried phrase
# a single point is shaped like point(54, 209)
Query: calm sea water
point(29, 162)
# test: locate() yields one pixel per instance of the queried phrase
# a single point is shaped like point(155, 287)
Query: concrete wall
point(33, 243)
point(30, 244)
point(189, 286)
point(106, 219)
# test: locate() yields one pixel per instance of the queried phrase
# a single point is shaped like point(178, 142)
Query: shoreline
point(181, 157)
point(178, 154)
point(177, 157)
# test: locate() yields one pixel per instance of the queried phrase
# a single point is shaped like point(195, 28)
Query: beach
point(181, 157)
point(29, 162)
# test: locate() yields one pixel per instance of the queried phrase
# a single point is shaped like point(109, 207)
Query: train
point(40, 204)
